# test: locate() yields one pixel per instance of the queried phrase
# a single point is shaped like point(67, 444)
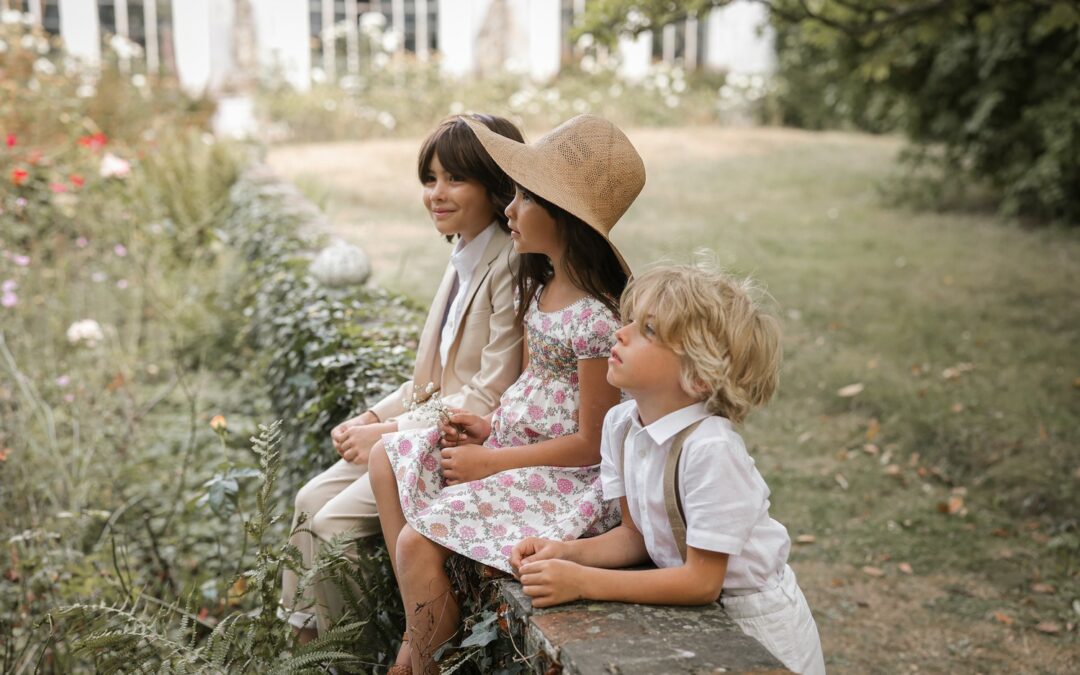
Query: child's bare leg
point(391, 519)
point(430, 606)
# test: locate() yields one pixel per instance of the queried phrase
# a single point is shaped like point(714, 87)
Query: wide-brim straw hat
point(586, 166)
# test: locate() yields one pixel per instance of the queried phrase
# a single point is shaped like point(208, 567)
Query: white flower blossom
point(86, 332)
point(114, 167)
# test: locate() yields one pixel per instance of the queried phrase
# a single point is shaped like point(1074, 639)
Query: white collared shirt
point(465, 259)
point(725, 499)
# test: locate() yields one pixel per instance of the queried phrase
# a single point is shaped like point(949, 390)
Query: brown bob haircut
point(461, 154)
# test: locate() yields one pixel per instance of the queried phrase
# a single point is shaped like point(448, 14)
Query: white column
point(544, 28)
point(733, 42)
point(328, 41)
point(352, 38)
point(635, 55)
point(123, 30)
point(150, 26)
point(283, 40)
point(691, 46)
point(80, 30)
point(35, 11)
point(397, 22)
point(422, 33)
point(668, 47)
point(457, 35)
point(191, 41)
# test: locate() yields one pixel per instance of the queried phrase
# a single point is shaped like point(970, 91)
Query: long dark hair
point(589, 260)
point(460, 153)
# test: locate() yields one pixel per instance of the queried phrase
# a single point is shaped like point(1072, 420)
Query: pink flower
point(466, 532)
point(19, 176)
point(420, 503)
point(507, 550)
point(82, 242)
point(9, 299)
point(11, 140)
point(528, 531)
point(439, 530)
point(114, 167)
point(601, 327)
point(63, 381)
point(566, 316)
point(404, 447)
point(536, 482)
point(586, 509)
point(94, 141)
point(122, 284)
point(21, 260)
point(580, 344)
point(506, 480)
point(421, 486)
point(498, 530)
point(556, 429)
point(564, 485)
point(479, 552)
point(560, 397)
point(433, 437)
point(120, 250)
point(77, 180)
point(517, 504)
point(546, 323)
point(547, 506)
point(428, 462)
point(57, 188)
point(457, 505)
point(535, 412)
point(586, 313)
point(9, 286)
point(486, 510)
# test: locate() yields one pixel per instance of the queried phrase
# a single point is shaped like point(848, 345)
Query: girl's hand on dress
point(466, 463)
point(535, 549)
point(464, 428)
point(553, 582)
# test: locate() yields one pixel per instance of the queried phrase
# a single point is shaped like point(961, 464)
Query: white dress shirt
point(725, 499)
point(465, 258)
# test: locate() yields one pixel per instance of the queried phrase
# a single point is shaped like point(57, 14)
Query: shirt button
point(641, 453)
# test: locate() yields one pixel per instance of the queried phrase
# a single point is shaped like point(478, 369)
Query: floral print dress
point(483, 519)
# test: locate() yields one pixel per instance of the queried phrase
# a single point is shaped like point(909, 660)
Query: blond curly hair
point(729, 348)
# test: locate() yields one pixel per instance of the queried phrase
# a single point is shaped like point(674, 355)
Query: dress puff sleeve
point(594, 329)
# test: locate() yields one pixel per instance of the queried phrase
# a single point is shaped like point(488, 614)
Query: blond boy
point(696, 354)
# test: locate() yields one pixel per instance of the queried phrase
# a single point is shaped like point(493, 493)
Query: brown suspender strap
point(672, 500)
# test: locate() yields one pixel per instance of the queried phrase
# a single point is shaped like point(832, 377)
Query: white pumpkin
point(340, 264)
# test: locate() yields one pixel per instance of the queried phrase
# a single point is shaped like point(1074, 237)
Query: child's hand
point(535, 549)
point(464, 428)
point(553, 582)
point(354, 443)
point(467, 462)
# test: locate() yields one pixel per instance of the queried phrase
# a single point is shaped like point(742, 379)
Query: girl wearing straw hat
point(481, 484)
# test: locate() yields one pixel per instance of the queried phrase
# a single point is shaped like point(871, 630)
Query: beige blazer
point(485, 357)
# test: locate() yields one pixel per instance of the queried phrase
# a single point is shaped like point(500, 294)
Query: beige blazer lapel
point(491, 253)
point(428, 367)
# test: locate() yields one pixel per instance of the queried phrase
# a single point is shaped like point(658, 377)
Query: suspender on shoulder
point(672, 499)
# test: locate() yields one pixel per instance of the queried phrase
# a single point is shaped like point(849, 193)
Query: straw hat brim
point(531, 168)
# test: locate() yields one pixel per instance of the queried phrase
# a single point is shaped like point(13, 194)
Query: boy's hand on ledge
point(535, 549)
point(553, 582)
point(467, 462)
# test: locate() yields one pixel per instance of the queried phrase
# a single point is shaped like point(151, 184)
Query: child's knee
point(378, 462)
point(414, 549)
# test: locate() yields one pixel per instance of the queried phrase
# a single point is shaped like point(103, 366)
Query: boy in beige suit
point(470, 350)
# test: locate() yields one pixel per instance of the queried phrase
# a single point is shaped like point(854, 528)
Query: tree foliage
point(985, 91)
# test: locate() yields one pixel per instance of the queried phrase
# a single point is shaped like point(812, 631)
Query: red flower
point(77, 180)
point(19, 176)
point(57, 188)
point(94, 141)
point(11, 140)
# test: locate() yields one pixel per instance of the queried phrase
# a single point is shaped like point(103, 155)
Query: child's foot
point(403, 663)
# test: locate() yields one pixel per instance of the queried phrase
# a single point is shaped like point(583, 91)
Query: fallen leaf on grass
point(4, 454)
point(905, 568)
point(953, 372)
point(871, 449)
point(892, 470)
point(871, 571)
point(841, 481)
point(1003, 618)
point(957, 407)
point(805, 539)
point(1048, 627)
point(1043, 588)
point(1000, 532)
point(850, 390)
point(873, 428)
point(953, 506)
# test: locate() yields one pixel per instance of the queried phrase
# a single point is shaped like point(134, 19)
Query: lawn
point(936, 501)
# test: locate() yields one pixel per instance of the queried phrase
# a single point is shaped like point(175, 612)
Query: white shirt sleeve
point(723, 493)
point(611, 455)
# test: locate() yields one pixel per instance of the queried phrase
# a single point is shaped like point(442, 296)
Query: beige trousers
point(336, 501)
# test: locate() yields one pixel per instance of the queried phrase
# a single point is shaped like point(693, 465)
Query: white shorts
point(780, 619)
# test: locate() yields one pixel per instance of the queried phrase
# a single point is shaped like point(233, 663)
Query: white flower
point(340, 264)
point(124, 48)
point(44, 66)
point(114, 167)
point(390, 42)
point(3, 47)
point(11, 16)
point(86, 331)
point(139, 80)
point(386, 119)
point(86, 90)
point(372, 22)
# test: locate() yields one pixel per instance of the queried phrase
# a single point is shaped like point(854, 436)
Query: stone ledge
point(606, 638)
